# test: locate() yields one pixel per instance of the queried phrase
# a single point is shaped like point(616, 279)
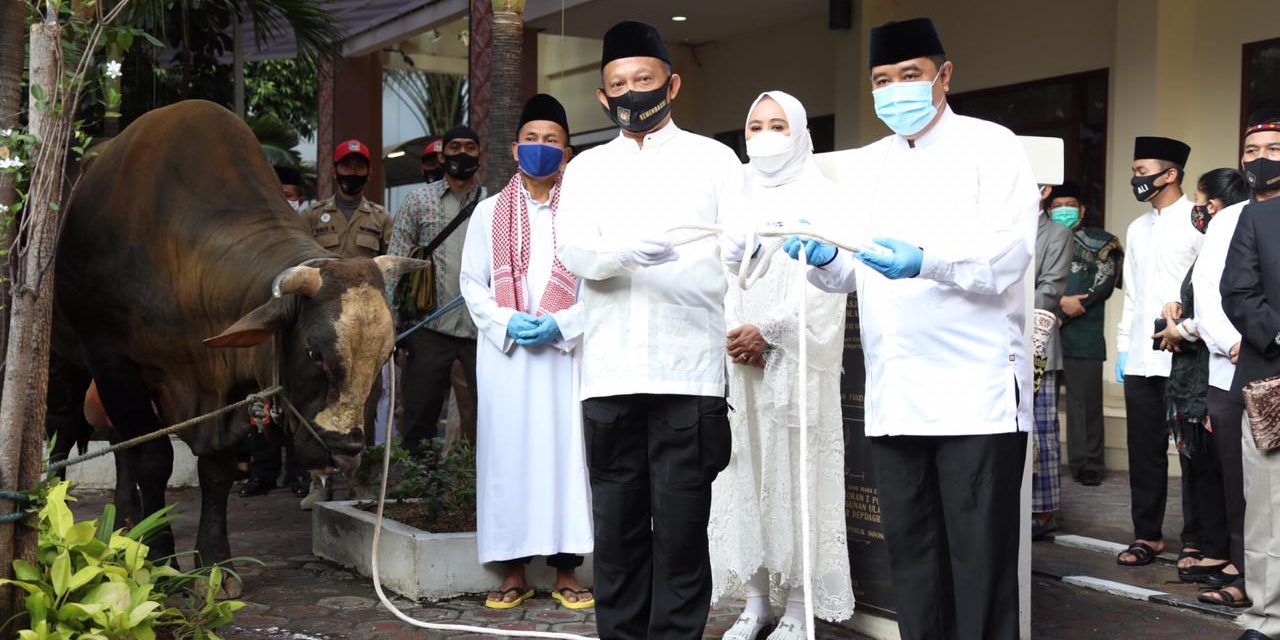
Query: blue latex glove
point(904, 262)
point(546, 330)
point(520, 323)
point(1121, 358)
point(816, 253)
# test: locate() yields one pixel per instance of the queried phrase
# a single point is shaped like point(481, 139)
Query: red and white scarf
point(511, 254)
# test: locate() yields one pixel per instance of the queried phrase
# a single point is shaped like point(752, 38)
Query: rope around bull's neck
point(747, 275)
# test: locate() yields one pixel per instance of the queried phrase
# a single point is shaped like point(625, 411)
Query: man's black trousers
point(951, 510)
point(1148, 436)
point(652, 459)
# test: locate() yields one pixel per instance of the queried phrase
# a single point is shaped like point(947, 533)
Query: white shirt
point(945, 351)
point(650, 330)
point(1159, 249)
point(1216, 330)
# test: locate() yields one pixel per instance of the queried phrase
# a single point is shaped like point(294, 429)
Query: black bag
point(415, 293)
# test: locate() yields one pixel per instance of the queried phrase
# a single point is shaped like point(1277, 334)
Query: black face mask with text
point(1144, 187)
point(1263, 174)
point(352, 184)
point(461, 165)
point(640, 111)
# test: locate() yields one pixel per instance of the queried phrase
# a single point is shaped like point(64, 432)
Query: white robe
point(532, 492)
point(755, 501)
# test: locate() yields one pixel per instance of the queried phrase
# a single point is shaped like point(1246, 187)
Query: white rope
point(377, 535)
point(746, 277)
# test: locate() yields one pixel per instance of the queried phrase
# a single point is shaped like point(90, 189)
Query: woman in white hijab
point(755, 527)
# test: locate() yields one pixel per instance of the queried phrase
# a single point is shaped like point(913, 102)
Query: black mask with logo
point(1263, 174)
point(640, 111)
point(1144, 187)
point(352, 184)
point(461, 165)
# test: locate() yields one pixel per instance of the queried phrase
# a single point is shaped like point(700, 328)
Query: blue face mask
point(906, 107)
point(539, 160)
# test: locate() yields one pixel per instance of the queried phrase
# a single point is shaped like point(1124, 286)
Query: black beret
point(631, 39)
point(1157, 148)
point(460, 132)
point(895, 42)
point(544, 107)
point(1067, 189)
point(289, 175)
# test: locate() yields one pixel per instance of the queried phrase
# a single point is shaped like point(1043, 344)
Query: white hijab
point(800, 156)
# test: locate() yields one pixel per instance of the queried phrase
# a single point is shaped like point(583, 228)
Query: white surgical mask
point(906, 107)
point(769, 150)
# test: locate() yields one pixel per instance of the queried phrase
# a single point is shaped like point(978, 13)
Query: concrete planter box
point(100, 473)
point(411, 562)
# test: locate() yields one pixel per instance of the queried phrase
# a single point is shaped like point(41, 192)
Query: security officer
point(347, 223)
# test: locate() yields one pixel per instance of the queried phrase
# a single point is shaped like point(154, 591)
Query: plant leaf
point(60, 573)
point(111, 595)
point(141, 612)
point(24, 570)
point(83, 577)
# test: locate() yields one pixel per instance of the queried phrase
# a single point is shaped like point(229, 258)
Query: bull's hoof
point(230, 589)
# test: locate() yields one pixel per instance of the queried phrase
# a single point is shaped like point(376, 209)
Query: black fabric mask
point(433, 175)
point(640, 111)
point(1200, 217)
point(1144, 187)
point(352, 184)
point(461, 165)
point(1263, 174)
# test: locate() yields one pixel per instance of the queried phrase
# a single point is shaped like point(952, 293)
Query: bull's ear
point(395, 266)
point(255, 328)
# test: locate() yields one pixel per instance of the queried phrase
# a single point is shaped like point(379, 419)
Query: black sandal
point(1190, 551)
point(1201, 572)
point(1142, 553)
point(1224, 599)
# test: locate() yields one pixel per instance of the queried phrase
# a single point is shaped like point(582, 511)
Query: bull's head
point(335, 332)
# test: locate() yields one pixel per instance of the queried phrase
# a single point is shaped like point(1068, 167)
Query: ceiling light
point(395, 154)
point(678, 18)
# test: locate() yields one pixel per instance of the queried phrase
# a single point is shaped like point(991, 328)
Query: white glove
point(648, 253)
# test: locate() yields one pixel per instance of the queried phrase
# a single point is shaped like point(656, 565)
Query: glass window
point(1072, 107)
point(1261, 78)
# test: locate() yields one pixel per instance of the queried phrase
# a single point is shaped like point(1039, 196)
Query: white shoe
point(747, 627)
point(788, 629)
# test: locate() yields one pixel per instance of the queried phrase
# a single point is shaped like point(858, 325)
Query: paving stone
point(556, 616)
point(347, 602)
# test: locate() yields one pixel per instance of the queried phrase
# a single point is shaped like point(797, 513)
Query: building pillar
point(357, 113)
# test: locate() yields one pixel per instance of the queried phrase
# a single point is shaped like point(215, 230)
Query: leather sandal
point(1142, 553)
point(1224, 599)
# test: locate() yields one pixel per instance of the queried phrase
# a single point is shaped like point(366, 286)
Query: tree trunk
point(480, 52)
point(12, 50)
point(26, 377)
point(504, 89)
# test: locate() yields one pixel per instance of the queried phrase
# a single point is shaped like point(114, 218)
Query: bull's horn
point(301, 280)
point(395, 266)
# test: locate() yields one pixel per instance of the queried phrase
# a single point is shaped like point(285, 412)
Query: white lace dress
point(755, 501)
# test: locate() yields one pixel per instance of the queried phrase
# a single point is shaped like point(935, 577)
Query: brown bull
point(166, 269)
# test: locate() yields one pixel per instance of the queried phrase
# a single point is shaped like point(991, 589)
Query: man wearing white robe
point(532, 492)
point(953, 203)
